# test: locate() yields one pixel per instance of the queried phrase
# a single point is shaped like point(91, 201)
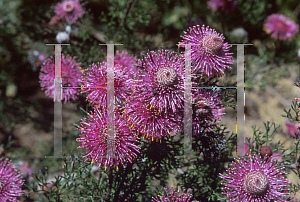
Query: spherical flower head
point(10, 181)
point(162, 84)
point(95, 83)
point(95, 139)
point(149, 121)
point(70, 10)
point(224, 5)
point(173, 196)
point(280, 27)
point(207, 108)
point(70, 73)
point(255, 179)
point(209, 54)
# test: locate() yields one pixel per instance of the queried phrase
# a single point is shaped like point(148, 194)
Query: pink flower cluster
point(149, 94)
point(149, 102)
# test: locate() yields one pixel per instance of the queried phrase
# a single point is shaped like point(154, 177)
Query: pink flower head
point(207, 108)
point(126, 61)
point(293, 129)
point(94, 138)
point(224, 5)
point(173, 196)
point(210, 55)
point(252, 179)
point(150, 121)
point(70, 73)
point(162, 82)
point(280, 27)
point(10, 181)
point(95, 83)
point(70, 10)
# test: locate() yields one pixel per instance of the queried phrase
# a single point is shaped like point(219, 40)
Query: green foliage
point(123, 21)
point(293, 114)
point(77, 183)
point(202, 173)
point(131, 180)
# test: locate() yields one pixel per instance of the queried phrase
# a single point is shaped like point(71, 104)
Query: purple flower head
point(126, 61)
point(150, 121)
point(70, 73)
point(252, 179)
point(10, 181)
point(70, 10)
point(173, 196)
point(210, 55)
point(94, 138)
point(280, 27)
point(95, 83)
point(207, 108)
point(293, 129)
point(162, 83)
point(224, 5)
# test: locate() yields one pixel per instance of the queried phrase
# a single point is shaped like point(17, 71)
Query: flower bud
point(265, 150)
